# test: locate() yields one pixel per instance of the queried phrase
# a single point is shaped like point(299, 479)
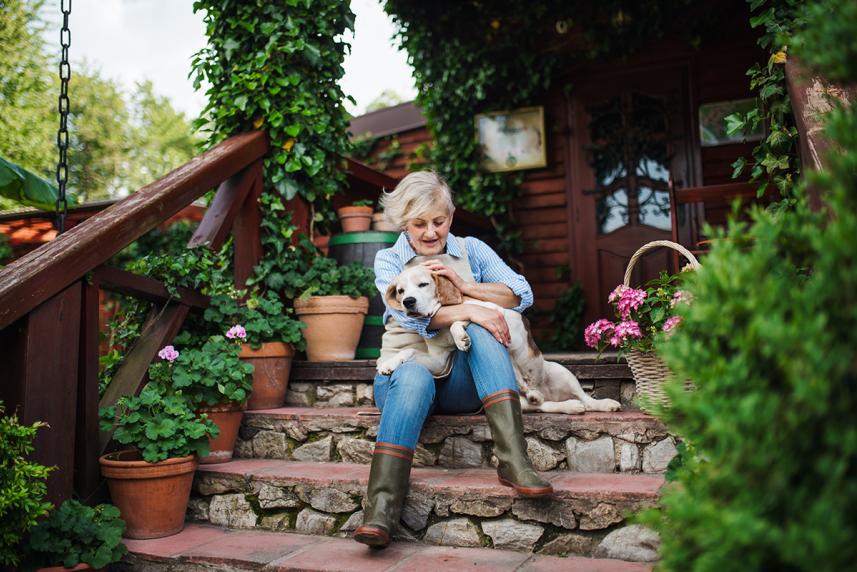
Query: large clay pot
point(271, 366)
point(151, 497)
point(379, 222)
point(355, 219)
point(333, 325)
point(227, 417)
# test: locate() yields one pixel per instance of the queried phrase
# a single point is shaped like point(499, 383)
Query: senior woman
point(421, 205)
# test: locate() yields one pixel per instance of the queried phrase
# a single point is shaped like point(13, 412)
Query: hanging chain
point(62, 133)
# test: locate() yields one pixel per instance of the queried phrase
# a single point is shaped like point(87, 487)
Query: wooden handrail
point(36, 277)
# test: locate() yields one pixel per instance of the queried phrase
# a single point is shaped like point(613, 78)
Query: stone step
point(624, 441)
point(349, 383)
point(449, 507)
point(206, 548)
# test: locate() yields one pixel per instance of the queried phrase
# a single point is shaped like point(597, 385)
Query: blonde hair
point(415, 195)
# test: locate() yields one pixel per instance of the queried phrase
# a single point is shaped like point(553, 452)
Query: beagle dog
point(543, 385)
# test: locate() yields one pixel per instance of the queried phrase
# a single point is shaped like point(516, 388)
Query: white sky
point(133, 40)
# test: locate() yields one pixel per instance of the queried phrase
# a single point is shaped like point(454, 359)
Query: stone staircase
point(301, 471)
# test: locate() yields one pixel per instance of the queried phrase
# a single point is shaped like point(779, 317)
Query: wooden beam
point(217, 222)
point(248, 240)
point(145, 287)
point(367, 174)
point(39, 357)
point(87, 473)
point(716, 193)
point(35, 277)
point(159, 329)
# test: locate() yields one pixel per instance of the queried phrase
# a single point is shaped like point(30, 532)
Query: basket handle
point(694, 263)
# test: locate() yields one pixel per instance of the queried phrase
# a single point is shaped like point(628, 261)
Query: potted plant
point(333, 305)
point(216, 382)
point(272, 335)
point(643, 317)
point(76, 536)
point(150, 483)
point(22, 486)
point(357, 217)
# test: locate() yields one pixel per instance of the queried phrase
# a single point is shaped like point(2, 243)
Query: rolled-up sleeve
point(387, 267)
point(487, 267)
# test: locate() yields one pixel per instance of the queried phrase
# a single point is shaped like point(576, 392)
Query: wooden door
point(628, 139)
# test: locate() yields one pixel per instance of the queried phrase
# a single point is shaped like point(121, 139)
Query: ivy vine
point(275, 66)
point(775, 159)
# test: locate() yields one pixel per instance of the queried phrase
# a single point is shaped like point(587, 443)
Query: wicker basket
point(648, 369)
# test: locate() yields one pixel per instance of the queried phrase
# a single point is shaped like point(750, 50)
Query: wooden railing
point(49, 304)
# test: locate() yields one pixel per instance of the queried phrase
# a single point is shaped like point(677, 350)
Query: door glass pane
point(612, 211)
point(654, 207)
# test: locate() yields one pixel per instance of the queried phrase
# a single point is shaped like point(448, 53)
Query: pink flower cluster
point(681, 297)
point(630, 299)
point(594, 331)
point(168, 353)
point(628, 328)
point(671, 323)
point(236, 332)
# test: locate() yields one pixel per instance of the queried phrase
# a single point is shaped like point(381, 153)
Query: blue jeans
point(408, 396)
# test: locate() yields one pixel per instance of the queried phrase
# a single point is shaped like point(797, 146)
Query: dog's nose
point(409, 302)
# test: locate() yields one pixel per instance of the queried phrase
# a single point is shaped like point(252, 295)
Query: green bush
point(208, 375)
point(22, 485)
point(76, 533)
point(263, 316)
point(771, 343)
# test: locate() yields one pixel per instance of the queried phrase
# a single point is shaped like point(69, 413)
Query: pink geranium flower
point(594, 331)
point(168, 353)
point(236, 332)
point(630, 299)
point(681, 297)
point(617, 291)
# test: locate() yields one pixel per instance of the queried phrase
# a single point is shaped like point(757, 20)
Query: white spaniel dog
point(543, 385)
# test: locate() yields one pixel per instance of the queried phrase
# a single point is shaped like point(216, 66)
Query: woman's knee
point(479, 336)
point(411, 385)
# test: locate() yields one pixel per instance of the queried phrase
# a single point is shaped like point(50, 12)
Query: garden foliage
point(22, 485)
point(76, 533)
point(263, 315)
point(771, 344)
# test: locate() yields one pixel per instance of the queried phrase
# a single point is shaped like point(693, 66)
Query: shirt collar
point(406, 252)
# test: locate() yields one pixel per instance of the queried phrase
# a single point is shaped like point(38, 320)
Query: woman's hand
point(439, 268)
point(492, 320)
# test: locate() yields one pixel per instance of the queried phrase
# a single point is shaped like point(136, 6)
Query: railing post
point(87, 473)
point(39, 353)
point(248, 243)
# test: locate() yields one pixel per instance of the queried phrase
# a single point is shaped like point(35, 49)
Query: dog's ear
point(390, 297)
point(447, 294)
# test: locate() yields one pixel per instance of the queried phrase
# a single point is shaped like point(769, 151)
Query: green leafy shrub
point(210, 374)
point(22, 485)
point(325, 277)
point(76, 533)
point(160, 423)
point(5, 249)
point(771, 345)
point(264, 317)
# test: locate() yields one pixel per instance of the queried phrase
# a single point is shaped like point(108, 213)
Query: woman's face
point(429, 231)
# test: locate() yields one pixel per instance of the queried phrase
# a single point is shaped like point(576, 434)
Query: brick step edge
point(466, 508)
point(206, 548)
point(624, 441)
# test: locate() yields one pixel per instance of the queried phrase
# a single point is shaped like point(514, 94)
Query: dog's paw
point(535, 397)
point(575, 407)
point(462, 342)
point(387, 367)
point(603, 405)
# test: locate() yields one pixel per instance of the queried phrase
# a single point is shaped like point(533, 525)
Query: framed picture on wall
point(512, 140)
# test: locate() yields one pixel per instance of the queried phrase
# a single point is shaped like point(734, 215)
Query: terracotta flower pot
point(151, 497)
point(271, 366)
point(380, 223)
point(333, 325)
point(227, 417)
point(320, 241)
point(355, 219)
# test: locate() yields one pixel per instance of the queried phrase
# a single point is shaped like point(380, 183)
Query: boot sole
point(372, 536)
point(528, 492)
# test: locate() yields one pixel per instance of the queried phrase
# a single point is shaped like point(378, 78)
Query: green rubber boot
point(514, 469)
point(388, 485)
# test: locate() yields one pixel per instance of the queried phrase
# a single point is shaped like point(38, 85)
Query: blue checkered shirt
point(484, 263)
